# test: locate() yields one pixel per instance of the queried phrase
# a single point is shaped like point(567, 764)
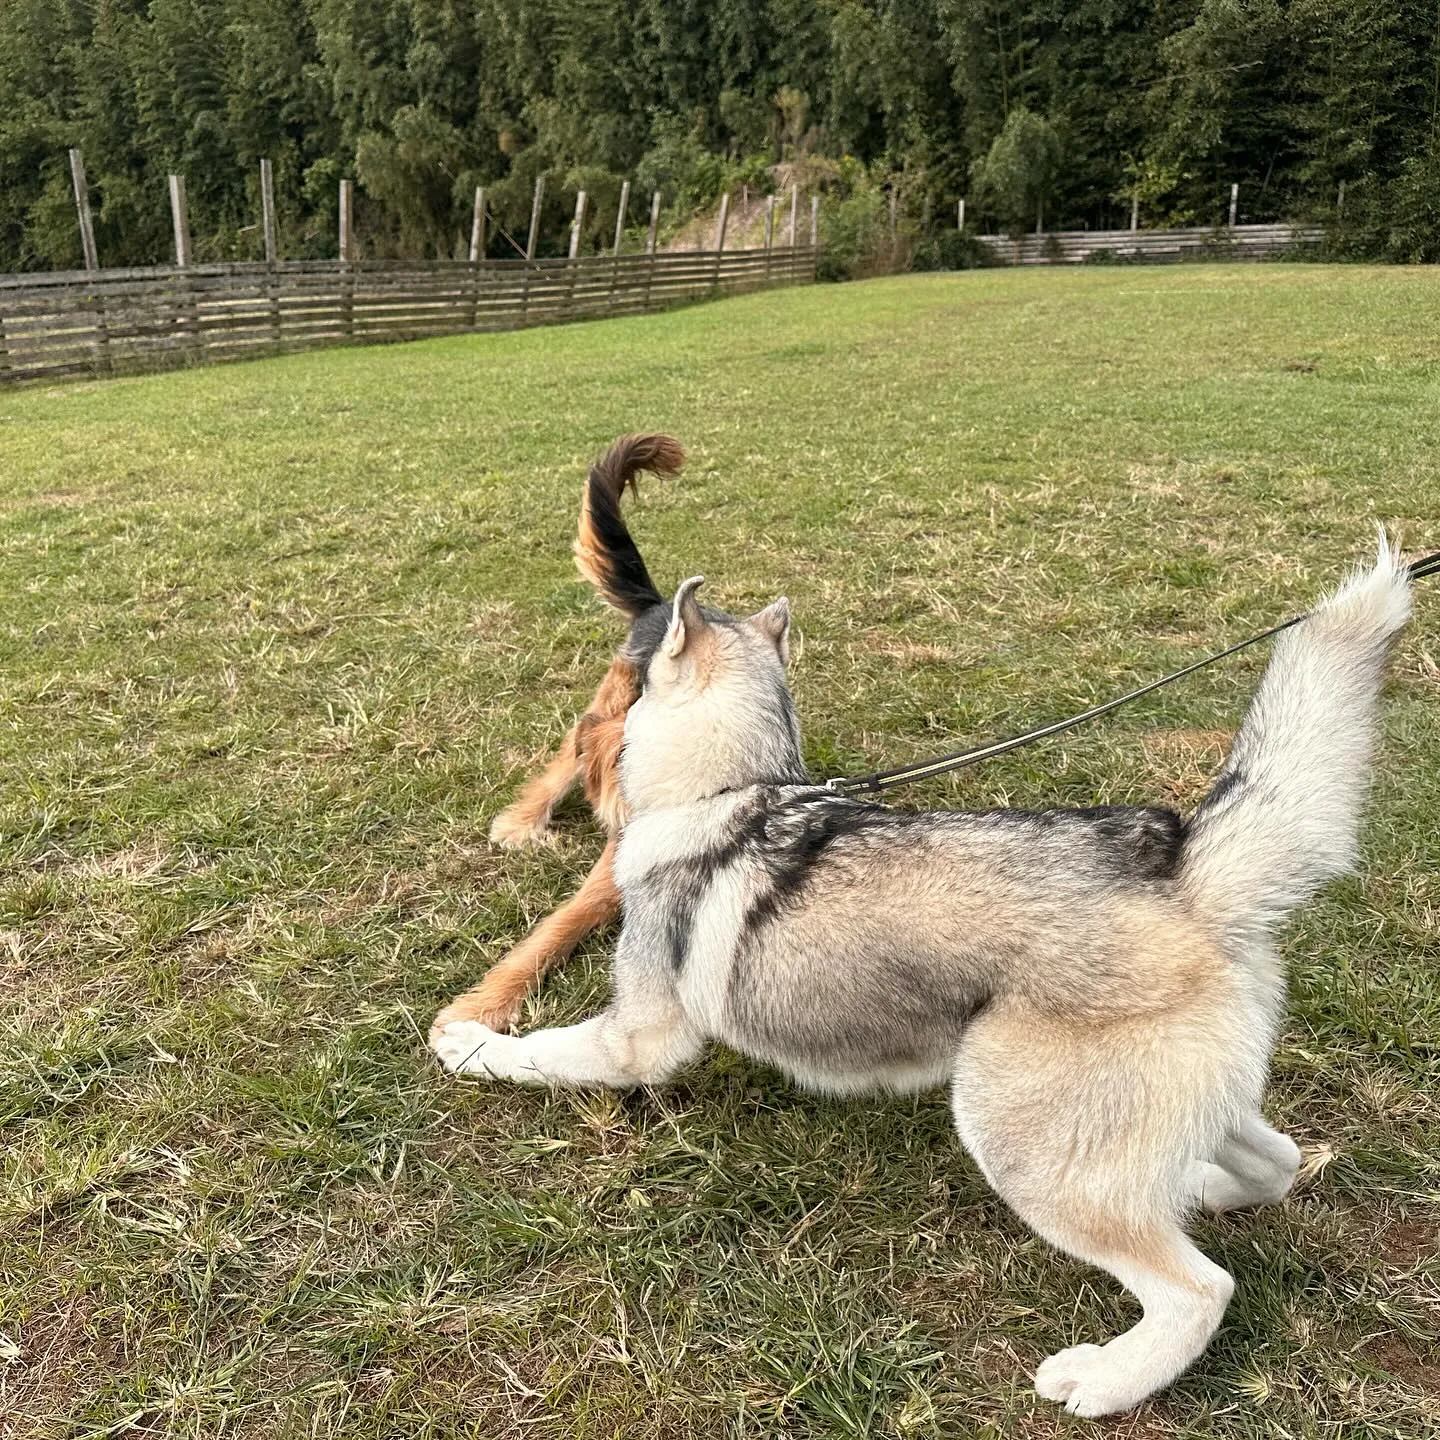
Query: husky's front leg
point(620, 1048)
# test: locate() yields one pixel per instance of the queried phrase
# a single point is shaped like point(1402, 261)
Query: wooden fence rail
point(1070, 247)
point(112, 322)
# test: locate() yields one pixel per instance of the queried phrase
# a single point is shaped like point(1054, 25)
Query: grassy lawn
point(278, 639)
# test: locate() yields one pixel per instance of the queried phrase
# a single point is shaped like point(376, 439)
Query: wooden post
point(720, 235)
point(272, 244)
point(180, 220)
point(1234, 203)
point(1340, 202)
point(651, 244)
point(769, 231)
point(347, 245)
point(814, 222)
point(577, 224)
point(267, 212)
point(1134, 212)
point(533, 238)
point(531, 241)
point(622, 210)
point(577, 228)
point(1040, 217)
point(794, 206)
point(960, 216)
point(477, 227)
point(82, 209)
point(92, 263)
point(621, 213)
point(347, 222)
point(477, 252)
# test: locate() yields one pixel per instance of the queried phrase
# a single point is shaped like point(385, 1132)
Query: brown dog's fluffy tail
point(604, 551)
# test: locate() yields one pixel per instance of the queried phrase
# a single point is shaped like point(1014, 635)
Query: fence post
point(477, 253)
point(769, 231)
point(477, 227)
point(1135, 212)
point(347, 245)
point(532, 239)
point(272, 244)
point(267, 212)
point(1234, 203)
point(1340, 202)
point(794, 206)
point(578, 223)
point(620, 214)
point(815, 222)
point(720, 235)
point(82, 208)
point(180, 220)
point(92, 263)
point(651, 240)
point(577, 226)
point(960, 216)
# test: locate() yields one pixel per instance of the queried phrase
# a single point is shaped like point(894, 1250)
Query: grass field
point(278, 640)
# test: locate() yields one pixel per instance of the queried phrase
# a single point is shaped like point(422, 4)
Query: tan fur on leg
point(527, 820)
point(496, 1001)
point(599, 737)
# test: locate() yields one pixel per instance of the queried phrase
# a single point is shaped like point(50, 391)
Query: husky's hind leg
point(1082, 1129)
point(1256, 1165)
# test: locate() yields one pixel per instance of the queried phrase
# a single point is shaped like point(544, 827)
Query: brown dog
point(590, 753)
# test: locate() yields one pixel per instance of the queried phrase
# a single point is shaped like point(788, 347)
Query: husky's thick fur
point(1100, 989)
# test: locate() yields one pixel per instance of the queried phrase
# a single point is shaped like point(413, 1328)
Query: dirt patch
point(1184, 762)
point(1398, 1357)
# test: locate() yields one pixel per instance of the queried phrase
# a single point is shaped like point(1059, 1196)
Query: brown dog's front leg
point(495, 1002)
point(526, 820)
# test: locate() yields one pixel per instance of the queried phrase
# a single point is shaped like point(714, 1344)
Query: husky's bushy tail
point(605, 553)
point(1285, 813)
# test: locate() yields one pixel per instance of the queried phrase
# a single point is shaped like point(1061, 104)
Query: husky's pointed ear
point(686, 621)
point(773, 622)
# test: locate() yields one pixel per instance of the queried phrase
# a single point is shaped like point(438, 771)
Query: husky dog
point(1100, 989)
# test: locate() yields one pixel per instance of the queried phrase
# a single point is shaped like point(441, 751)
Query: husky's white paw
point(512, 832)
point(466, 1047)
point(1091, 1380)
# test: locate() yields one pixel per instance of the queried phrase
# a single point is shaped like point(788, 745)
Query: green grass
point(278, 640)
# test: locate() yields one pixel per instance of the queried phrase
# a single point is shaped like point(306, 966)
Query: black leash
point(880, 780)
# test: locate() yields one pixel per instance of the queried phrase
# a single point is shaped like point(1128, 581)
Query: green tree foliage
point(1016, 175)
point(1073, 104)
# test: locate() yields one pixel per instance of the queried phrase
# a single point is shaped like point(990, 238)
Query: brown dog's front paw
point(516, 831)
point(495, 1007)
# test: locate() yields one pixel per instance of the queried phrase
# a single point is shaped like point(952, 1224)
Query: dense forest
point(1062, 112)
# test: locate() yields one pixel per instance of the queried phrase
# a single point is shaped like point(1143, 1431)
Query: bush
point(950, 250)
point(681, 168)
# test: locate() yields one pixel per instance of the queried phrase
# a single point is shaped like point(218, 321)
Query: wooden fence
point(113, 322)
point(1225, 242)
